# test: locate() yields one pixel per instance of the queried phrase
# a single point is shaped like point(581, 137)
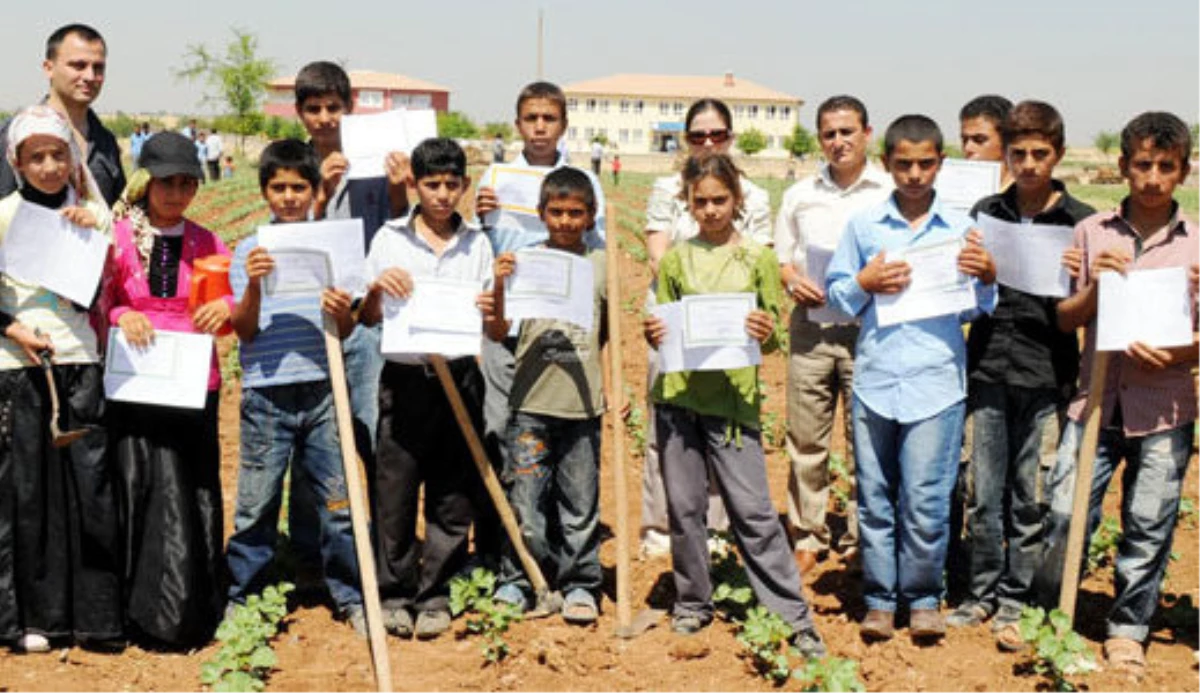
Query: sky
point(1100, 62)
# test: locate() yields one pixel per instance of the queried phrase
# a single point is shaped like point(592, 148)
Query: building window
point(678, 108)
point(602, 132)
point(413, 101)
point(589, 133)
point(572, 133)
point(591, 105)
point(752, 111)
point(785, 112)
point(637, 135)
point(739, 111)
point(623, 135)
point(664, 108)
point(370, 98)
point(572, 105)
point(604, 106)
point(638, 106)
point(770, 141)
point(624, 105)
point(770, 113)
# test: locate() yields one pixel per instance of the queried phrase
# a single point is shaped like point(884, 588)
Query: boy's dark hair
point(288, 154)
point(1034, 118)
point(566, 181)
point(438, 155)
point(704, 105)
point(719, 166)
point(321, 78)
point(83, 31)
point(1165, 131)
point(543, 90)
point(843, 102)
point(991, 106)
point(914, 128)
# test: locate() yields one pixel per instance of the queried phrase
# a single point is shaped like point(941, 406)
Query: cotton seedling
point(246, 658)
point(829, 674)
point(472, 594)
point(1056, 651)
point(1103, 545)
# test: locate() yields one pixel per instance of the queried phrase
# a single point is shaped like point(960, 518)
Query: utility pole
point(541, 72)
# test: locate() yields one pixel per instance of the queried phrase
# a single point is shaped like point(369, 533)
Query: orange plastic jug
point(210, 281)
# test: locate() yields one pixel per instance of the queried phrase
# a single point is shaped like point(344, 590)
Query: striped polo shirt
point(289, 347)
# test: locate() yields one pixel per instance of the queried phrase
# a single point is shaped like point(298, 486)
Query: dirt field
point(317, 654)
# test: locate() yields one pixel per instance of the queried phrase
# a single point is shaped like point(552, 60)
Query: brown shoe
point(807, 561)
point(878, 625)
point(926, 624)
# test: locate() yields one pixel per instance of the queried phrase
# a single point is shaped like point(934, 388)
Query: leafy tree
point(801, 142)
point(121, 125)
point(505, 130)
point(239, 79)
point(752, 141)
point(601, 138)
point(1106, 141)
point(456, 125)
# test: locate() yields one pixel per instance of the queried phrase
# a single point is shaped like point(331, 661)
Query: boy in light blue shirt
point(909, 385)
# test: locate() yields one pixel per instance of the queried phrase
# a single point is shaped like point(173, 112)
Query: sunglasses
point(699, 137)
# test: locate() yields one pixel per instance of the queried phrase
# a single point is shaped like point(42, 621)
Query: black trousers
point(60, 557)
point(419, 442)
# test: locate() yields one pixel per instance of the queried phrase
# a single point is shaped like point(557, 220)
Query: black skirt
point(168, 466)
point(60, 557)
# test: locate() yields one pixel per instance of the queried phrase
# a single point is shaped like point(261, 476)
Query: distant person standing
point(201, 151)
point(597, 156)
point(136, 140)
point(190, 131)
point(212, 155)
point(498, 149)
point(75, 65)
point(616, 169)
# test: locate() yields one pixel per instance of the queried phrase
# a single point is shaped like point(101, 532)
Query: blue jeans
point(1151, 484)
point(364, 363)
point(282, 423)
point(553, 484)
point(1005, 514)
point(905, 475)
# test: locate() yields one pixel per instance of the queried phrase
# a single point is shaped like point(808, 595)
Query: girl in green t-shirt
point(709, 420)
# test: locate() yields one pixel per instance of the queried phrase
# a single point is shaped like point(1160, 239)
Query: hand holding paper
point(883, 276)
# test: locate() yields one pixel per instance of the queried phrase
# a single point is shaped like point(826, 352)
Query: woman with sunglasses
point(709, 128)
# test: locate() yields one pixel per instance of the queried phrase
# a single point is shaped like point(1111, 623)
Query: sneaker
point(509, 593)
point(968, 615)
point(398, 621)
point(655, 544)
point(34, 642)
point(431, 624)
point(357, 618)
point(686, 624)
point(809, 644)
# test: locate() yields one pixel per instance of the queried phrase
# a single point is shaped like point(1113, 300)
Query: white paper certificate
point(816, 263)
point(341, 239)
point(38, 241)
point(674, 356)
point(1148, 306)
point(936, 287)
point(440, 317)
point(551, 284)
point(1029, 256)
point(963, 182)
point(517, 192)
point(299, 271)
point(716, 320)
point(368, 139)
point(171, 372)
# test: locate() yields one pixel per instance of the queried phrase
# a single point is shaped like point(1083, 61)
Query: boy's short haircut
point(292, 155)
point(843, 102)
point(83, 31)
point(564, 182)
point(1034, 118)
point(990, 106)
point(320, 79)
point(1165, 130)
point(438, 155)
point(914, 128)
point(543, 90)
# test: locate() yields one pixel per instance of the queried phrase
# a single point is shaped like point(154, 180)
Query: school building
point(644, 113)
point(372, 92)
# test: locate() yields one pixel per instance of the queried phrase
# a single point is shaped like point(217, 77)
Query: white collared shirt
point(815, 210)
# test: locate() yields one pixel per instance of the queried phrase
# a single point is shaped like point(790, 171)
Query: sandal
point(579, 607)
point(1126, 655)
point(1008, 638)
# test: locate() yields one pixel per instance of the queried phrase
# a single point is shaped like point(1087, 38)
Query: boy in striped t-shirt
point(287, 403)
